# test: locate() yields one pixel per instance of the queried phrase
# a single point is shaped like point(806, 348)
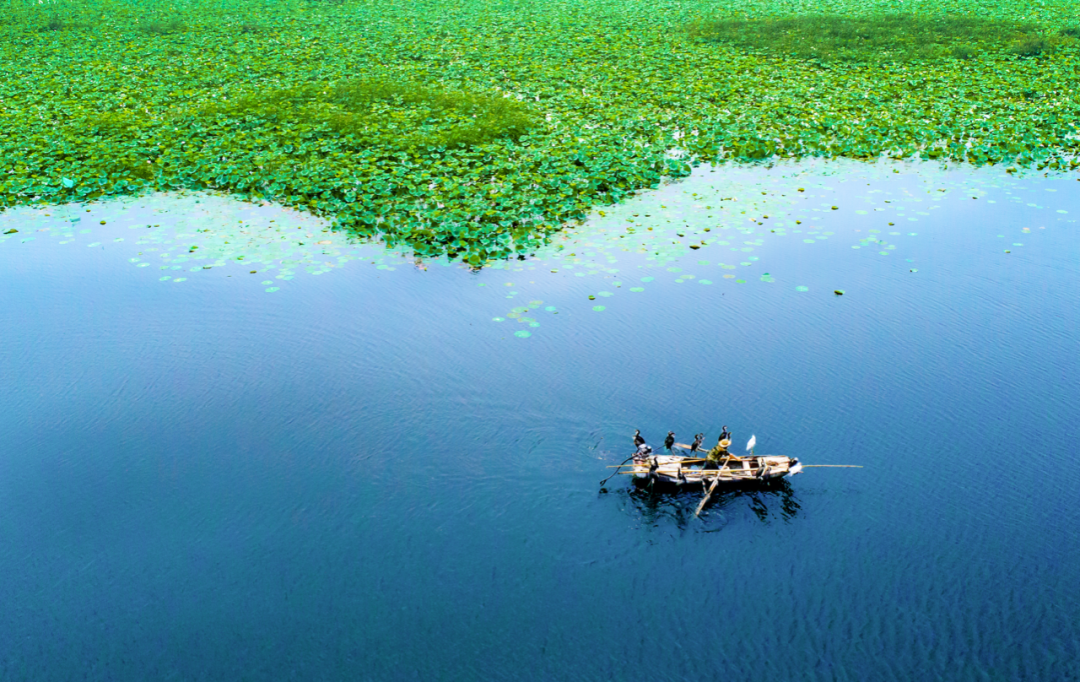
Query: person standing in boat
point(670, 440)
point(718, 453)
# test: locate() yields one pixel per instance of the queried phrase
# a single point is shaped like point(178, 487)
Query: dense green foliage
point(479, 128)
point(380, 113)
point(881, 37)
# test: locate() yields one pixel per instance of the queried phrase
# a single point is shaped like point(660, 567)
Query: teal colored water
point(347, 466)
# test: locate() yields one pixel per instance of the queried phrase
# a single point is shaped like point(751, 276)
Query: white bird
point(751, 443)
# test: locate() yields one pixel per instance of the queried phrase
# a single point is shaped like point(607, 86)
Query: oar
point(716, 482)
point(684, 446)
point(616, 471)
point(688, 460)
point(835, 466)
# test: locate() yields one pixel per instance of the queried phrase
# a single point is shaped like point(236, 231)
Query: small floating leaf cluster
point(479, 130)
point(737, 210)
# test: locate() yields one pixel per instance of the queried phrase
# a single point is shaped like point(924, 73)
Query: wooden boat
point(733, 470)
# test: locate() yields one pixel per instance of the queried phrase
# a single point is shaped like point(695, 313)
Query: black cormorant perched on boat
point(670, 440)
point(697, 442)
point(638, 440)
point(725, 434)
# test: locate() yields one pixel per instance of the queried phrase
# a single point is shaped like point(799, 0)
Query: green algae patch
point(480, 130)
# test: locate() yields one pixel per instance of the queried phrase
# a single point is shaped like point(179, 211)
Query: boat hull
point(675, 471)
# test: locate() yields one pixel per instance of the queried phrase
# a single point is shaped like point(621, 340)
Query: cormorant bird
point(697, 442)
point(670, 440)
point(638, 440)
point(725, 434)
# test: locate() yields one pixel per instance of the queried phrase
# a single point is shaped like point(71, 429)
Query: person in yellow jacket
point(718, 453)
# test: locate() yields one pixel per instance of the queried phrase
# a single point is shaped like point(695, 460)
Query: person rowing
point(670, 440)
point(718, 453)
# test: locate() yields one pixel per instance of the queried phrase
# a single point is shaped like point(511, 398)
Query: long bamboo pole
point(716, 482)
point(708, 473)
point(805, 466)
point(694, 460)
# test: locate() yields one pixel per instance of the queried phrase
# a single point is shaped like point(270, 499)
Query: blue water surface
point(378, 473)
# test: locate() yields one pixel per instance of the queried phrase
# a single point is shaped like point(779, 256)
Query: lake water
point(347, 465)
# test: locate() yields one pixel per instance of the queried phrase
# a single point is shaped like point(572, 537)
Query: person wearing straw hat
point(717, 453)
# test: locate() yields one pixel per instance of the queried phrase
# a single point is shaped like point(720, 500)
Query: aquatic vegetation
point(481, 130)
point(876, 37)
point(394, 115)
point(751, 218)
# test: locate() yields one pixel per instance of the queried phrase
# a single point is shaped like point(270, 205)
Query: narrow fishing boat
point(732, 470)
point(719, 469)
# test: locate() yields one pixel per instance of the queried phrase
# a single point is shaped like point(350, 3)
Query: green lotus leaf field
point(477, 129)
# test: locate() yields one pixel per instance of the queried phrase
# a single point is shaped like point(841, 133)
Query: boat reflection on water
point(775, 500)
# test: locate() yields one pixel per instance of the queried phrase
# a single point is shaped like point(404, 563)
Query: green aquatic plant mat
point(881, 37)
point(481, 129)
point(394, 115)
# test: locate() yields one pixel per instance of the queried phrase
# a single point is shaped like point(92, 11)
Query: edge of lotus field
point(477, 130)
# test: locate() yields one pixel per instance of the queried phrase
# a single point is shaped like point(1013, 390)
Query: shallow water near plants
point(350, 464)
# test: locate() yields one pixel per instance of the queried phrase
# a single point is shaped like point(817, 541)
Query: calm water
point(345, 466)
